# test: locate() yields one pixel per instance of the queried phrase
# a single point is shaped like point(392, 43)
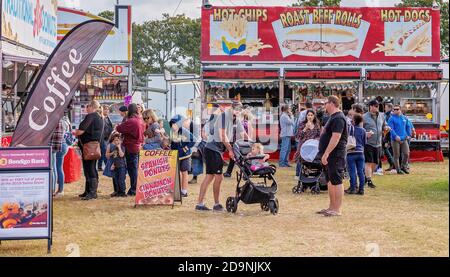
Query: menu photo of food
point(235, 36)
point(321, 40)
point(406, 39)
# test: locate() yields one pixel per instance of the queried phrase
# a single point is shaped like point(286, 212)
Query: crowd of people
point(352, 140)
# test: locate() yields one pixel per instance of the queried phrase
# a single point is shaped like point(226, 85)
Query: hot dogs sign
point(280, 34)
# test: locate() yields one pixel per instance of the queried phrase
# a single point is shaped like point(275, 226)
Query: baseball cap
point(123, 109)
point(373, 103)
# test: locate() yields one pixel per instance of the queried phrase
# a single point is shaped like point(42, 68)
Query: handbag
point(92, 150)
point(351, 140)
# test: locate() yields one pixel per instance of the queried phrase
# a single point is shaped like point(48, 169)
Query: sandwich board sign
point(158, 178)
point(26, 210)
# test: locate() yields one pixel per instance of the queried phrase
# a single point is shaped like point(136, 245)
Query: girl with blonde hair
point(152, 135)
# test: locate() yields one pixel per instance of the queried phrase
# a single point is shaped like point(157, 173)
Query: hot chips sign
point(306, 34)
point(157, 177)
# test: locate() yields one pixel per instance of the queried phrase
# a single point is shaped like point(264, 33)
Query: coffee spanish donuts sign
point(329, 34)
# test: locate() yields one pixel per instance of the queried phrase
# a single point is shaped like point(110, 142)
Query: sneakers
point(351, 191)
point(131, 193)
point(184, 194)
point(121, 194)
point(370, 184)
point(202, 208)
point(379, 172)
point(218, 208)
point(405, 170)
point(360, 192)
point(114, 194)
point(193, 181)
point(227, 175)
point(399, 172)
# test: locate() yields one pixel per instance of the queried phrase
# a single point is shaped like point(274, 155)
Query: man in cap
point(375, 124)
point(227, 129)
point(123, 110)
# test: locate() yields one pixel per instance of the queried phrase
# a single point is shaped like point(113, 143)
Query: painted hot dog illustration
point(410, 39)
point(415, 41)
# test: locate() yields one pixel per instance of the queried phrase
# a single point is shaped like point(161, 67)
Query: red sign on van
point(253, 34)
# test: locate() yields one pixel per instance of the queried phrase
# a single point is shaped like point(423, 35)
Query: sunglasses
point(397, 109)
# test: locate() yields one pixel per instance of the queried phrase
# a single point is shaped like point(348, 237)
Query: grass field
point(404, 216)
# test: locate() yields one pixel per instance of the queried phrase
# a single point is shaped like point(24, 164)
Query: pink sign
point(24, 158)
point(127, 100)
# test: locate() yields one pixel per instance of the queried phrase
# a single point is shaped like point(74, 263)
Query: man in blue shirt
point(400, 134)
point(286, 134)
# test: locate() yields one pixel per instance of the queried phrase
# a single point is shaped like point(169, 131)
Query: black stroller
point(311, 176)
point(250, 192)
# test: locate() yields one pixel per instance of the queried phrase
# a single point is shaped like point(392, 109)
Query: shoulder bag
point(91, 150)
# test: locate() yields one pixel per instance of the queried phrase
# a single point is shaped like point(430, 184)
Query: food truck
point(269, 56)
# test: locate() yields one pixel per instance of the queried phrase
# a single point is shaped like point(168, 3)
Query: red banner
point(323, 35)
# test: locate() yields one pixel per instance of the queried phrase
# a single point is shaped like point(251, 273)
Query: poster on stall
point(24, 203)
point(323, 35)
point(158, 178)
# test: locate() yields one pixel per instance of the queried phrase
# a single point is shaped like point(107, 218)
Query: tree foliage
point(158, 44)
point(107, 14)
point(444, 18)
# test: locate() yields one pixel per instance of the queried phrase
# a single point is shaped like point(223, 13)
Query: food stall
point(314, 85)
point(317, 51)
point(416, 92)
point(257, 88)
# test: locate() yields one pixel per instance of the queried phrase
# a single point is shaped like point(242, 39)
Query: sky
point(143, 10)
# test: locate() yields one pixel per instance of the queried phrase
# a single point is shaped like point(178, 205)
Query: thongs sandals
point(323, 211)
point(331, 213)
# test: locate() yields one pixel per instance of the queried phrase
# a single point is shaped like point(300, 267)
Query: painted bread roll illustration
point(332, 41)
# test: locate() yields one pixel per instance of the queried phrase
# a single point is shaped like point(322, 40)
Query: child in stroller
point(253, 192)
point(311, 171)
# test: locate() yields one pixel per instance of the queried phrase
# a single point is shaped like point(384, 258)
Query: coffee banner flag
point(56, 84)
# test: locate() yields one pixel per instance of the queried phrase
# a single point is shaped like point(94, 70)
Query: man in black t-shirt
point(332, 150)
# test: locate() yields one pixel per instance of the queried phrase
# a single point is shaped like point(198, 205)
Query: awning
point(262, 84)
point(327, 85)
point(380, 85)
point(15, 53)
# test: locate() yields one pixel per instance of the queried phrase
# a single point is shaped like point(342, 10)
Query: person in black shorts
point(227, 127)
point(375, 124)
point(332, 149)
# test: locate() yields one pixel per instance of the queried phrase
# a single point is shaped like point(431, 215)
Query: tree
point(189, 42)
point(107, 14)
point(444, 18)
point(315, 3)
point(169, 41)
